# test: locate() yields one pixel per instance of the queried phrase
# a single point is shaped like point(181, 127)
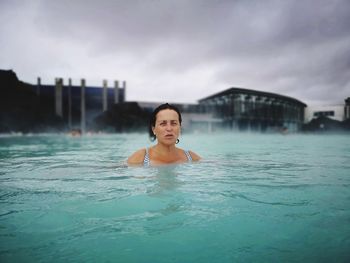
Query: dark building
point(347, 109)
point(245, 109)
point(68, 99)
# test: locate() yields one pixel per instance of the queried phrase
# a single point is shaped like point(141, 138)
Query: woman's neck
point(161, 148)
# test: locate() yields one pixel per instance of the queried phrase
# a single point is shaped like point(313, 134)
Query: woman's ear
point(153, 130)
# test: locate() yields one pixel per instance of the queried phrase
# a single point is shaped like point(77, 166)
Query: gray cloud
point(185, 50)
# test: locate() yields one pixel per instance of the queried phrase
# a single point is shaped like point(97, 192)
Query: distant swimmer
point(165, 126)
point(284, 130)
point(75, 133)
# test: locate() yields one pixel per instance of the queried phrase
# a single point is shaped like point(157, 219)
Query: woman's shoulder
point(194, 156)
point(137, 157)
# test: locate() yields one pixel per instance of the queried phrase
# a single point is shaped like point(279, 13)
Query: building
point(79, 104)
point(347, 109)
point(334, 112)
point(338, 112)
point(245, 109)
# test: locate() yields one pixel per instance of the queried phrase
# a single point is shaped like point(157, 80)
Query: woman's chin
point(168, 142)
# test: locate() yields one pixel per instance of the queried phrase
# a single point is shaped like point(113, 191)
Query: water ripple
point(242, 196)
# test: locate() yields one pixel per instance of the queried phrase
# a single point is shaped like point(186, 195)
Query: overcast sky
point(183, 50)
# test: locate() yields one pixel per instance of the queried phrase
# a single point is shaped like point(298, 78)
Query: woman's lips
point(169, 136)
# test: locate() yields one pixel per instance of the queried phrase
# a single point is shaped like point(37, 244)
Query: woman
point(165, 126)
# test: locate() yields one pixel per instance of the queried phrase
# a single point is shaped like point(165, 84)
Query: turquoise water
point(254, 198)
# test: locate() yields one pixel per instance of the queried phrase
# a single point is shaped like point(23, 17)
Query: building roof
point(252, 92)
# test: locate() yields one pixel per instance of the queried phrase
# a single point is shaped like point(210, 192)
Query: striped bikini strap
point(146, 160)
point(189, 157)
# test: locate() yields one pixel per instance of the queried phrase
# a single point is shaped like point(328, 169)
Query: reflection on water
point(166, 179)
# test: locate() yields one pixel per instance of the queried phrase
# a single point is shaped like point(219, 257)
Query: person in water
point(165, 126)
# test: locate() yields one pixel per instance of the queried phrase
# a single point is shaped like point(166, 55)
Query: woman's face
point(167, 127)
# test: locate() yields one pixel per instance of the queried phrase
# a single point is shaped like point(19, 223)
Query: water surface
point(254, 198)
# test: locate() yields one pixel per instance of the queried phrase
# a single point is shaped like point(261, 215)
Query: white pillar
point(104, 96)
point(58, 97)
point(123, 91)
point(70, 103)
point(82, 120)
point(116, 92)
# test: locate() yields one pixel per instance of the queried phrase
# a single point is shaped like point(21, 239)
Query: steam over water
point(253, 198)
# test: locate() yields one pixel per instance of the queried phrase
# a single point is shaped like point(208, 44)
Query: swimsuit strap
point(189, 157)
point(146, 161)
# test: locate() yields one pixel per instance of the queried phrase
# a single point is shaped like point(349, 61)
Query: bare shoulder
point(195, 157)
point(137, 157)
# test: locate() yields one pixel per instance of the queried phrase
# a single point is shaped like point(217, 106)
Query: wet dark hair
point(152, 122)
